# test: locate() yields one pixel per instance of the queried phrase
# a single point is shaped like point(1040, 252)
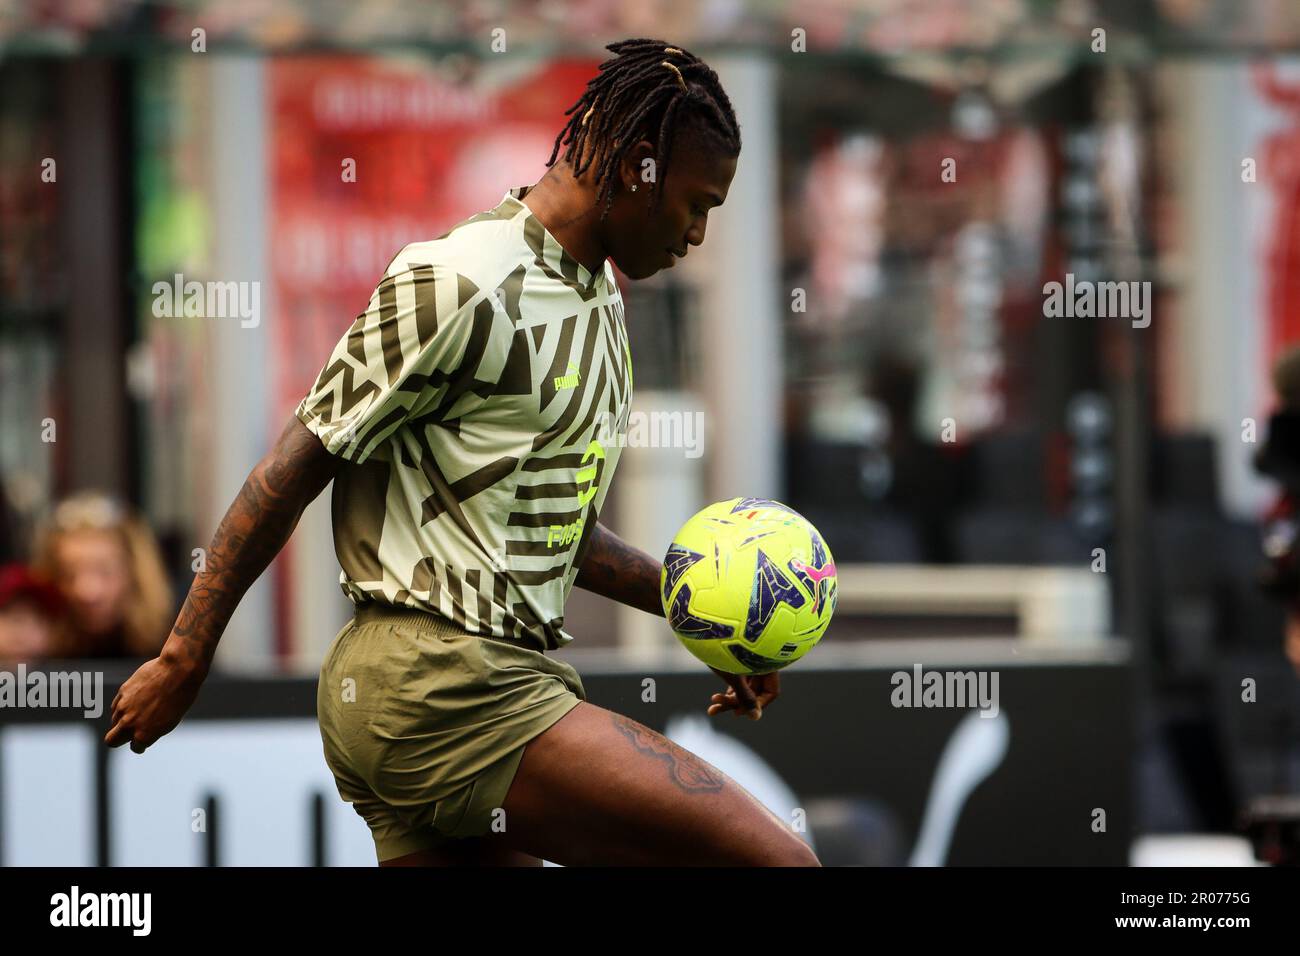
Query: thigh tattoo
point(686, 770)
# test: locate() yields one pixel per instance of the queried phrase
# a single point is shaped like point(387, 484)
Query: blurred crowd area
point(831, 25)
point(95, 587)
point(906, 299)
point(932, 166)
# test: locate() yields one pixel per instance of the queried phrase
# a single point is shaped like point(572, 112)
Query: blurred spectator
point(107, 565)
point(30, 610)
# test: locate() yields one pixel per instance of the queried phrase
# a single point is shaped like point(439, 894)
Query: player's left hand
point(748, 693)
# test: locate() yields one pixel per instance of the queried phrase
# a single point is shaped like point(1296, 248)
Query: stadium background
point(847, 302)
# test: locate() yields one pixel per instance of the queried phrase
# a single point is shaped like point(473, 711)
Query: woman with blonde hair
point(107, 564)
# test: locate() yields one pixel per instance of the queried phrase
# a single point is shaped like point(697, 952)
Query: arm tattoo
point(687, 771)
point(255, 528)
point(614, 569)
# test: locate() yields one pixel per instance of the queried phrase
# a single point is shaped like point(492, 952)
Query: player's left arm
point(615, 569)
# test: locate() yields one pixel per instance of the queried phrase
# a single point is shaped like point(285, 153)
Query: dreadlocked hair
point(649, 90)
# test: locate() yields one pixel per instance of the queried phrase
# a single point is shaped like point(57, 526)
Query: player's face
point(643, 241)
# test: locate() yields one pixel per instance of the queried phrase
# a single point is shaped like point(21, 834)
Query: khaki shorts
point(424, 725)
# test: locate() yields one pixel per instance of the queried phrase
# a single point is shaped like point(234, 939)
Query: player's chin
point(642, 269)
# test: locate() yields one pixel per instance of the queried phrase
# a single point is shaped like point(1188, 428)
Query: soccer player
point(469, 420)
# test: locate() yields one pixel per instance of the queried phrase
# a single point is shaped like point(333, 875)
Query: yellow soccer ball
point(748, 585)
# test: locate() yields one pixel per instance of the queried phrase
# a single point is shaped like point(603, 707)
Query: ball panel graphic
point(748, 585)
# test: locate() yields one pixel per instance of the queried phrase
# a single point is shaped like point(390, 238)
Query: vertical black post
point(211, 853)
point(103, 805)
point(317, 817)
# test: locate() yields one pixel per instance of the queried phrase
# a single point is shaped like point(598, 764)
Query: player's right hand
point(152, 702)
point(746, 695)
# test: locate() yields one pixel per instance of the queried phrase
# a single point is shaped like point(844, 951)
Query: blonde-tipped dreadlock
point(648, 90)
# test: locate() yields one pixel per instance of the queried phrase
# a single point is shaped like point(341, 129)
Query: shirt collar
point(546, 246)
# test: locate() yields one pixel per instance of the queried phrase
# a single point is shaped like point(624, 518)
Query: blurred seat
point(826, 484)
point(1016, 536)
point(1008, 470)
point(1010, 522)
point(1188, 588)
point(827, 474)
point(1248, 618)
point(1264, 736)
point(1182, 471)
point(859, 535)
point(1188, 563)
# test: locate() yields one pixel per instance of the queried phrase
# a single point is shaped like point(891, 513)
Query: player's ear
point(636, 162)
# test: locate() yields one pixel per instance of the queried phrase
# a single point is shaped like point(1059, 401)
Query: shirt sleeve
point(415, 350)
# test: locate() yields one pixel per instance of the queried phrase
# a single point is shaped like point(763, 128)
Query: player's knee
point(795, 853)
point(783, 849)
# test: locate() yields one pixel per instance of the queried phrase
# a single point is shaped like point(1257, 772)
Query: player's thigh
point(600, 788)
